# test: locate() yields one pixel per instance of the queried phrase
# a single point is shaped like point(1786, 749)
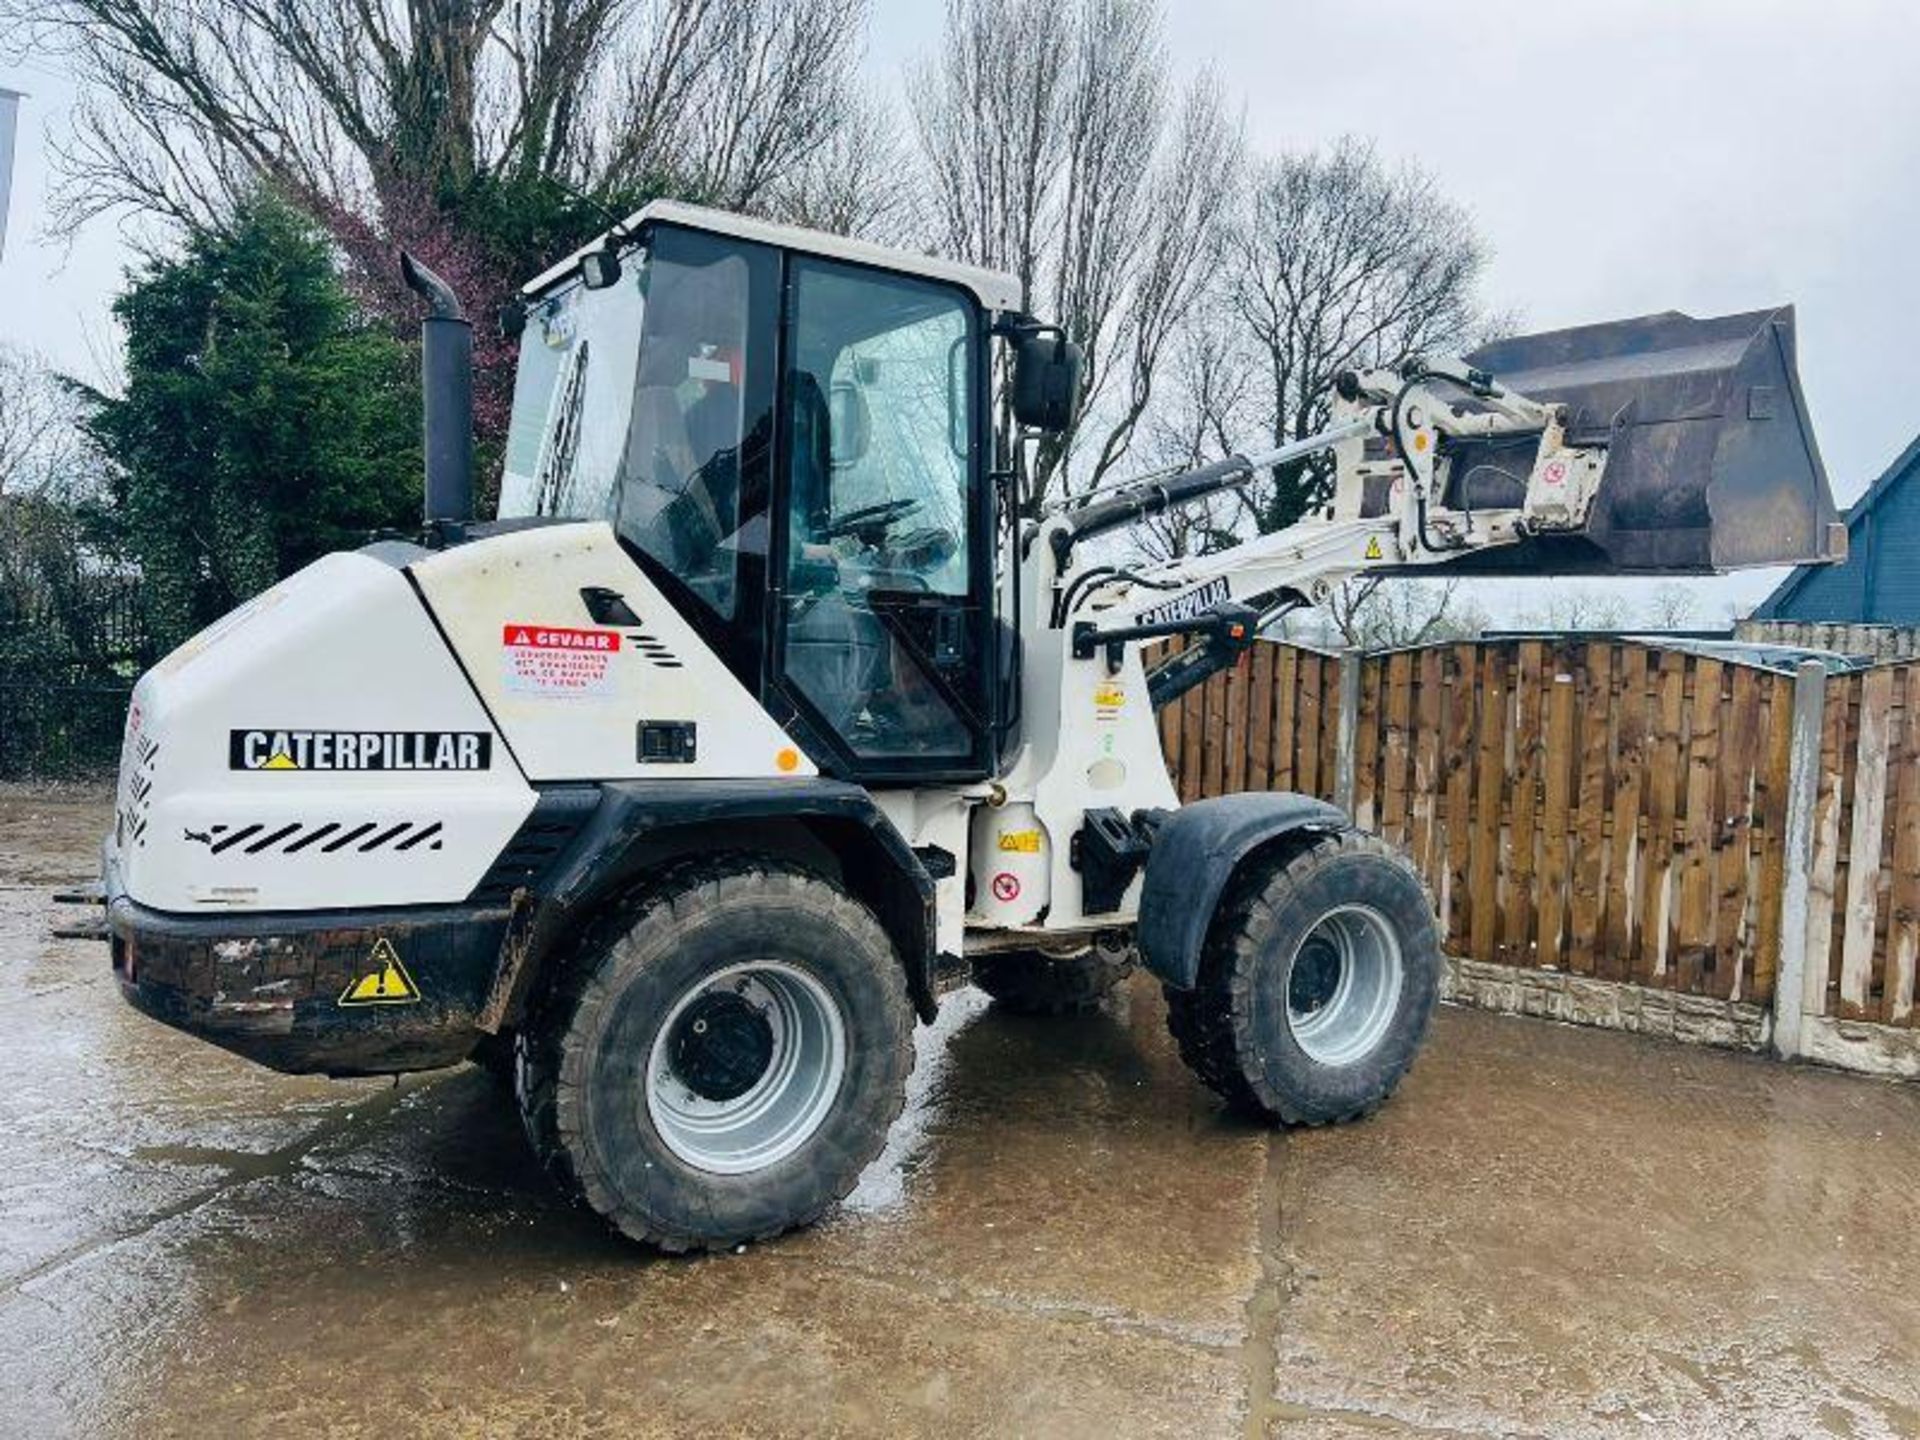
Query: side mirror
point(1046, 379)
point(600, 269)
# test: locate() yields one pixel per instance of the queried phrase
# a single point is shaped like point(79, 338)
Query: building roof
point(1778, 605)
point(993, 288)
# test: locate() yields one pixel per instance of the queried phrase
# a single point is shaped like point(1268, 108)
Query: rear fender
point(1196, 852)
point(635, 827)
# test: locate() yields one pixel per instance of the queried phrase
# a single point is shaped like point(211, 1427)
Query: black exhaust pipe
point(446, 395)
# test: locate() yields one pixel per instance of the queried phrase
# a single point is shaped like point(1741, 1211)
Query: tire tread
point(548, 1074)
point(1212, 1023)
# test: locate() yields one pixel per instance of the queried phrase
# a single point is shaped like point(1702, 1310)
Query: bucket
point(1711, 463)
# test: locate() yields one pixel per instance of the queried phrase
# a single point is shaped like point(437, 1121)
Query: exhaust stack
point(1711, 461)
point(446, 395)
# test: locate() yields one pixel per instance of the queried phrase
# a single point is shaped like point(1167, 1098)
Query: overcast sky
point(1621, 156)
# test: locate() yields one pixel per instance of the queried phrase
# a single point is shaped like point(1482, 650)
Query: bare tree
point(1378, 613)
point(858, 181)
point(772, 90)
point(1342, 262)
point(454, 128)
point(40, 448)
point(1053, 150)
point(1577, 607)
point(347, 103)
point(1202, 412)
point(1670, 606)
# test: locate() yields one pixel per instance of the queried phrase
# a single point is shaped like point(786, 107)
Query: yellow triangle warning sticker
point(1373, 549)
point(383, 982)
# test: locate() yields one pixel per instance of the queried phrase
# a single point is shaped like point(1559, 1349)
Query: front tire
point(722, 1057)
point(1318, 982)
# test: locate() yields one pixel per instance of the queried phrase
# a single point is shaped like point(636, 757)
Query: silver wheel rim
point(1344, 984)
point(800, 1028)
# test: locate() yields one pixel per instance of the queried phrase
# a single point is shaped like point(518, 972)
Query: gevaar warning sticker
point(558, 662)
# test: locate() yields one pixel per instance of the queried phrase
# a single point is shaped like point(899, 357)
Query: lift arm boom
point(1388, 511)
point(1660, 445)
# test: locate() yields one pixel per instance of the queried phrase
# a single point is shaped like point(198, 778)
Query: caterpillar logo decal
point(1185, 606)
point(383, 981)
point(359, 750)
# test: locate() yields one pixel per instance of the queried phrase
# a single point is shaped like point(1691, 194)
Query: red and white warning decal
point(558, 662)
point(1006, 887)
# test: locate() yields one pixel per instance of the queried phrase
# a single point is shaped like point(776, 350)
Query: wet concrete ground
point(1549, 1232)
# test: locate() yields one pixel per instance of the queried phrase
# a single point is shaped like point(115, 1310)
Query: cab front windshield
point(650, 404)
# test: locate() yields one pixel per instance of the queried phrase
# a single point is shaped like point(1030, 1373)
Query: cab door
point(882, 566)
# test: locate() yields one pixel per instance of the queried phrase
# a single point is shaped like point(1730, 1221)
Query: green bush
point(264, 423)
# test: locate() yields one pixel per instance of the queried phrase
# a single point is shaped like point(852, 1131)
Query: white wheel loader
point(757, 718)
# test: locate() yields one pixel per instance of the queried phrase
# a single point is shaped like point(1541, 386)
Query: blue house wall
point(1879, 583)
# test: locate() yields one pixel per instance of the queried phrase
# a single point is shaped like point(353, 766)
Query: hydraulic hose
point(1406, 461)
point(1151, 499)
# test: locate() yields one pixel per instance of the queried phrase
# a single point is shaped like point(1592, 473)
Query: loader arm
point(1661, 445)
point(1387, 512)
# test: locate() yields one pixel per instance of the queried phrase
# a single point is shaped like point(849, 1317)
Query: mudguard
point(1195, 852)
point(603, 836)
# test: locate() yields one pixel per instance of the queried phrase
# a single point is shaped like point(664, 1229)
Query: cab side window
point(686, 490)
point(879, 547)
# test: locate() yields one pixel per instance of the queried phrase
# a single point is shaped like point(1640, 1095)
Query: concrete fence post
point(1803, 789)
point(1346, 735)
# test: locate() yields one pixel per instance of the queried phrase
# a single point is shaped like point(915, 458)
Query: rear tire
point(1030, 982)
point(721, 1058)
point(1319, 979)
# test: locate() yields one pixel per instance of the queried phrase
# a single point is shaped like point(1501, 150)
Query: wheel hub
point(720, 1046)
point(1316, 976)
point(1344, 986)
point(745, 1066)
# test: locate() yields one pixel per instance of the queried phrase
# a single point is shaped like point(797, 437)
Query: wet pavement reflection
point(1549, 1231)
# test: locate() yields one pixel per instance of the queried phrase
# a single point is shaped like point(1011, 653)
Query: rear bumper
point(276, 988)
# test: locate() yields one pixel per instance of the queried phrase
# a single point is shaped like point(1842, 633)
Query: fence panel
point(72, 639)
point(60, 731)
point(1864, 924)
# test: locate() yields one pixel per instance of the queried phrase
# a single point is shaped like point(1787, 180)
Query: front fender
point(1196, 851)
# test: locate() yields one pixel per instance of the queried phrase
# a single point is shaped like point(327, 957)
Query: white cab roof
point(995, 289)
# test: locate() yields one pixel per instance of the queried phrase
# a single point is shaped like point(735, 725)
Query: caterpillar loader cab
point(795, 450)
point(755, 718)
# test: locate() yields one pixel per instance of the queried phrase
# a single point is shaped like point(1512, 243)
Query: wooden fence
point(1607, 809)
point(1267, 724)
point(1864, 896)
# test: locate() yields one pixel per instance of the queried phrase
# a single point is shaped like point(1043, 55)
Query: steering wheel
point(922, 551)
point(871, 520)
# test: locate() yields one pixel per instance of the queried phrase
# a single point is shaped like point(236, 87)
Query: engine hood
point(319, 748)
